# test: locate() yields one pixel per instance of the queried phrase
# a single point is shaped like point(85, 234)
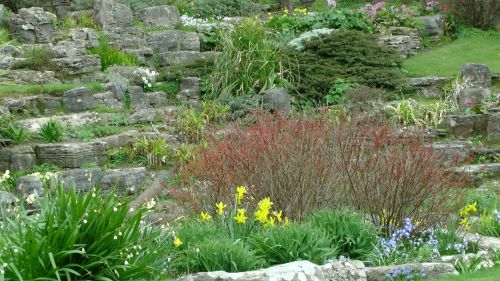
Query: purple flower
point(468, 102)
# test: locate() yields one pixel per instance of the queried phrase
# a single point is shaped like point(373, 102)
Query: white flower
point(126, 262)
point(31, 199)
point(85, 221)
point(151, 204)
point(83, 250)
point(115, 209)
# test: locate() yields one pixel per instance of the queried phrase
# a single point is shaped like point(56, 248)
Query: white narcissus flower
point(31, 199)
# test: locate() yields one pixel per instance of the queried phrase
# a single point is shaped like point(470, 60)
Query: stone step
point(71, 155)
point(72, 120)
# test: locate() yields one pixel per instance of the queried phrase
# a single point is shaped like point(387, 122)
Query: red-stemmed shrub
point(474, 13)
point(309, 163)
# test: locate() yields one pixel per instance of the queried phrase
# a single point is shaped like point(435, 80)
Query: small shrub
point(348, 231)
point(111, 56)
point(297, 242)
point(12, 131)
point(51, 131)
point(473, 13)
point(249, 64)
point(350, 55)
point(192, 124)
point(411, 112)
point(154, 152)
point(78, 236)
point(39, 59)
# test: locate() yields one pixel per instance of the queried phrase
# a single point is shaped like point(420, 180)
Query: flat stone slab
point(71, 155)
point(428, 81)
point(294, 271)
point(72, 120)
point(484, 242)
point(81, 179)
point(184, 57)
point(17, 158)
point(432, 270)
point(129, 180)
point(490, 168)
point(123, 139)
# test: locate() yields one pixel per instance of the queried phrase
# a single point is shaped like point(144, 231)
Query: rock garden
point(249, 140)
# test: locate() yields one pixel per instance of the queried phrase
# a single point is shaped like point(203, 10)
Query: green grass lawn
point(483, 48)
point(6, 90)
point(492, 274)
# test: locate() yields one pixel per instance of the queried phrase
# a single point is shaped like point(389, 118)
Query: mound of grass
point(45, 89)
point(478, 47)
point(483, 275)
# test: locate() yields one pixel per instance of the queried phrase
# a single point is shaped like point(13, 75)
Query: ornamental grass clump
point(80, 237)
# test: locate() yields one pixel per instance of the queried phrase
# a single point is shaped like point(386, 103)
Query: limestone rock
point(156, 99)
point(79, 99)
point(469, 97)
point(173, 40)
point(454, 150)
point(484, 242)
point(494, 126)
point(87, 36)
point(72, 120)
point(110, 14)
point(4, 111)
point(33, 25)
point(406, 41)
point(123, 139)
point(476, 75)
point(128, 180)
point(79, 65)
point(467, 125)
point(71, 155)
point(189, 88)
point(432, 270)
point(69, 48)
point(24, 104)
point(17, 158)
point(294, 271)
point(277, 100)
point(2, 11)
point(160, 16)
point(433, 26)
point(476, 169)
point(118, 85)
point(184, 57)
point(148, 115)
point(31, 77)
point(10, 50)
point(28, 185)
point(109, 100)
point(7, 200)
point(137, 97)
point(81, 179)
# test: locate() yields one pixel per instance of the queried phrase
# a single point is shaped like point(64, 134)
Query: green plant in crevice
point(12, 131)
point(192, 124)
point(411, 112)
point(39, 59)
point(338, 91)
point(52, 131)
point(80, 236)
point(111, 56)
point(250, 63)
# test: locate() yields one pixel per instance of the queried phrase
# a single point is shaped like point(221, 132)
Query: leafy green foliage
point(4, 35)
point(297, 242)
point(81, 237)
point(111, 56)
point(249, 64)
point(222, 8)
point(82, 21)
point(351, 55)
point(347, 230)
point(192, 124)
point(338, 91)
point(489, 224)
point(154, 152)
point(89, 132)
point(12, 131)
point(411, 112)
point(51, 131)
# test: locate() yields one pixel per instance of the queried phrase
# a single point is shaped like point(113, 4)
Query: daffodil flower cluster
point(464, 215)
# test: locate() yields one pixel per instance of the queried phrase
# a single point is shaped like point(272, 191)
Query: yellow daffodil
point(177, 242)
point(220, 208)
point(286, 222)
point(263, 210)
point(240, 217)
point(278, 215)
point(240, 193)
point(205, 217)
point(270, 223)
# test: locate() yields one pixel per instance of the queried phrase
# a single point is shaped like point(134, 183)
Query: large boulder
point(87, 36)
point(27, 185)
point(71, 155)
point(160, 16)
point(476, 75)
point(79, 65)
point(110, 14)
point(79, 99)
point(277, 100)
point(464, 126)
point(81, 179)
point(294, 271)
point(17, 158)
point(470, 97)
point(433, 26)
point(33, 25)
point(128, 180)
point(173, 40)
point(189, 88)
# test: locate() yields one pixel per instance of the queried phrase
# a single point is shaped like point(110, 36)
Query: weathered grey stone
point(49, 103)
point(476, 75)
point(9, 50)
point(118, 85)
point(17, 158)
point(432, 270)
point(28, 185)
point(123, 139)
point(110, 14)
point(71, 155)
point(454, 150)
point(79, 99)
point(69, 48)
point(277, 100)
point(294, 271)
point(156, 99)
point(22, 104)
point(483, 242)
point(72, 120)
point(429, 86)
point(467, 125)
point(4, 111)
point(109, 100)
point(469, 97)
point(81, 179)
point(33, 25)
point(79, 65)
point(476, 169)
point(494, 126)
point(160, 16)
point(31, 77)
point(189, 88)
point(5, 142)
point(406, 41)
point(87, 36)
point(127, 180)
point(433, 26)
point(148, 115)
point(128, 37)
point(137, 97)
point(7, 200)
point(173, 40)
point(184, 57)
